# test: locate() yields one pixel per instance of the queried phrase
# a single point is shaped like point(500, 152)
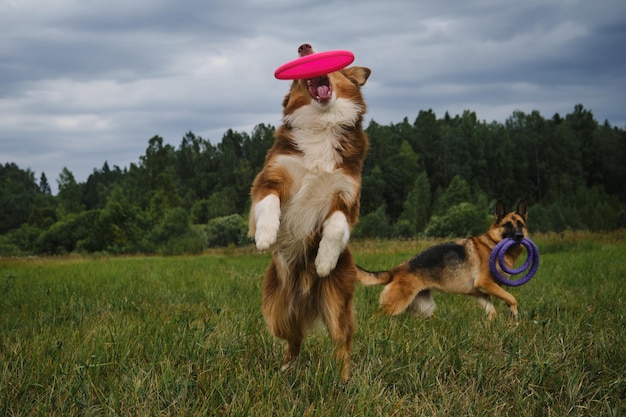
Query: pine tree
point(44, 186)
point(417, 205)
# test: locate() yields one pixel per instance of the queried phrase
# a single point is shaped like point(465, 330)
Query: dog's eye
point(508, 225)
point(520, 225)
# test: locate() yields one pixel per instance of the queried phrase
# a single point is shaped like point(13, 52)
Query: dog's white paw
point(335, 236)
point(324, 264)
point(267, 218)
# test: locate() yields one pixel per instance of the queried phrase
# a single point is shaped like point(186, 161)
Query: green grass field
point(151, 336)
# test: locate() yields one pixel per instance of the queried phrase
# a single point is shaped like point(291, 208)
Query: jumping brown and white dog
point(305, 202)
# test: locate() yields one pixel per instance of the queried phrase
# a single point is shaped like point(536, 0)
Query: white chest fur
point(316, 130)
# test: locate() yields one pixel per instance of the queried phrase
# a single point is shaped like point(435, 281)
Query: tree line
point(432, 177)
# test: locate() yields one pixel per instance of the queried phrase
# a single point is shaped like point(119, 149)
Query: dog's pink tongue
point(323, 92)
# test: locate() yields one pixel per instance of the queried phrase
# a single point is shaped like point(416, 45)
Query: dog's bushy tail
point(373, 278)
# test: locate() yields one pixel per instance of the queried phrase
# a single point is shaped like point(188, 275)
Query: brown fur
point(314, 170)
point(460, 267)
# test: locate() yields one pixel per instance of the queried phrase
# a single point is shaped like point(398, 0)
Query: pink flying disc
point(314, 65)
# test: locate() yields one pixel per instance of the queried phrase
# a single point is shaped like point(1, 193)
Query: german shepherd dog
point(460, 267)
point(305, 202)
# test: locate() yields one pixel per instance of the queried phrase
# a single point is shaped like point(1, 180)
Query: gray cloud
point(85, 82)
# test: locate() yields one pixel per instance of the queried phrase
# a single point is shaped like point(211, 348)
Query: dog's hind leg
point(337, 311)
point(487, 305)
point(400, 293)
point(280, 316)
point(423, 304)
point(291, 355)
point(341, 328)
point(293, 333)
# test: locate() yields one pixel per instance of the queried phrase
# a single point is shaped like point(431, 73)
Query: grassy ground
point(185, 336)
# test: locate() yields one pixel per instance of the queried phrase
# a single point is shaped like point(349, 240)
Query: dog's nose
point(518, 237)
point(305, 49)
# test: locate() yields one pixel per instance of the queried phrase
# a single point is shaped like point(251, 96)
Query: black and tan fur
point(460, 267)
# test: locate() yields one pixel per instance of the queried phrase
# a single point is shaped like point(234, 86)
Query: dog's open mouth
point(320, 89)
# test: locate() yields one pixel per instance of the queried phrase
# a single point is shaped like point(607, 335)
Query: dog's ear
point(358, 74)
point(522, 209)
point(286, 99)
point(500, 211)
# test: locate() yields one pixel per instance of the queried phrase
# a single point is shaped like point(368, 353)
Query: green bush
point(461, 220)
point(175, 235)
point(189, 243)
point(403, 229)
point(118, 228)
point(227, 230)
point(556, 217)
point(7, 248)
point(20, 241)
point(374, 224)
point(219, 204)
point(64, 236)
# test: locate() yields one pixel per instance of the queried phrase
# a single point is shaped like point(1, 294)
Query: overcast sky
point(83, 81)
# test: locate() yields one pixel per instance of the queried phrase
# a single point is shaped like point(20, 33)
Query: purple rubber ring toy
point(498, 253)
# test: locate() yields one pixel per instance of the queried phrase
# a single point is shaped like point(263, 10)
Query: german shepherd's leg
point(487, 305)
point(337, 310)
point(400, 293)
point(487, 286)
point(280, 317)
point(423, 304)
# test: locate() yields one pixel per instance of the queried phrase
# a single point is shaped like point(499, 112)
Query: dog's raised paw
point(266, 236)
point(267, 218)
point(334, 241)
point(324, 264)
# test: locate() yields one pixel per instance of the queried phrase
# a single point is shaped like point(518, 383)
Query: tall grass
point(185, 336)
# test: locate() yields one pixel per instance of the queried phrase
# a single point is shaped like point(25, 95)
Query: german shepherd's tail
point(373, 278)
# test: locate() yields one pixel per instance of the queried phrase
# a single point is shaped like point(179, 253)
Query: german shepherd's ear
point(500, 211)
point(522, 209)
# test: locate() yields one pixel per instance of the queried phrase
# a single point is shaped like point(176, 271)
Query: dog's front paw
point(325, 263)
point(334, 240)
point(267, 218)
point(266, 237)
